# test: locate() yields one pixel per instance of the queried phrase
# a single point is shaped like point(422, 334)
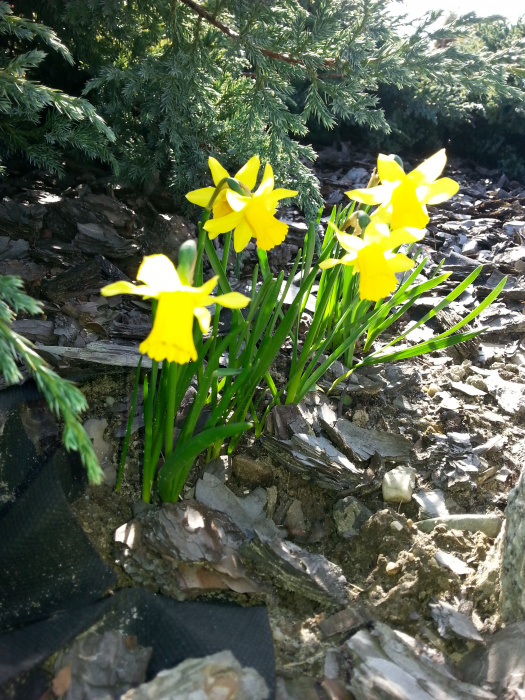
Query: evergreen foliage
point(36, 121)
point(179, 80)
point(64, 399)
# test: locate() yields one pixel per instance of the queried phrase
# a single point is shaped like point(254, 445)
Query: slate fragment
point(361, 443)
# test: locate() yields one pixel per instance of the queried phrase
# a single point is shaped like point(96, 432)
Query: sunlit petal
point(171, 337)
point(232, 300)
point(236, 201)
point(407, 210)
point(429, 170)
point(242, 236)
point(389, 170)
point(267, 183)
point(248, 173)
point(122, 287)
point(376, 280)
point(438, 191)
point(329, 263)
point(203, 316)
point(372, 195)
point(399, 263)
point(278, 194)
point(350, 243)
point(207, 287)
point(201, 197)
point(218, 173)
point(158, 272)
point(268, 230)
point(223, 224)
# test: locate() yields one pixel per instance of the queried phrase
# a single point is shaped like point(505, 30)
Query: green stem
point(263, 261)
point(170, 408)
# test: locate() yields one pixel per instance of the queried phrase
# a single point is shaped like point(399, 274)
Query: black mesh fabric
point(51, 578)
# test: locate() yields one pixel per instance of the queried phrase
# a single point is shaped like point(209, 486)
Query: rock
point(361, 443)
point(344, 621)
point(317, 460)
point(216, 677)
point(389, 664)
point(349, 515)
point(95, 429)
point(490, 524)
point(450, 622)
point(285, 421)
point(398, 484)
point(246, 513)
point(94, 238)
point(98, 353)
point(513, 562)
point(294, 520)
point(297, 570)
point(500, 665)
point(509, 395)
point(220, 468)
point(252, 472)
point(452, 563)
point(432, 503)
point(97, 664)
point(514, 226)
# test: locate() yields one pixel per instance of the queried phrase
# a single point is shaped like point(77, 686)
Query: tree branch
point(202, 12)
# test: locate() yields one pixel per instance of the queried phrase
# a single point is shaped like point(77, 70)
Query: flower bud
point(187, 260)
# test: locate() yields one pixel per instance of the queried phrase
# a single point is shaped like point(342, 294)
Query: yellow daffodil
point(371, 256)
point(253, 216)
point(171, 337)
point(247, 176)
point(403, 198)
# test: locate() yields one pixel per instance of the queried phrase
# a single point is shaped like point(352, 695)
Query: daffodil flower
point(403, 198)
point(371, 256)
point(171, 337)
point(253, 216)
point(247, 176)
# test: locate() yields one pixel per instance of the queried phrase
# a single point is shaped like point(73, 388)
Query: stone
point(216, 677)
point(450, 622)
point(398, 484)
point(432, 503)
point(294, 520)
point(245, 512)
point(100, 666)
point(513, 550)
point(509, 395)
point(498, 666)
point(390, 664)
point(252, 472)
point(362, 444)
point(452, 563)
point(490, 524)
point(349, 515)
point(95, 428)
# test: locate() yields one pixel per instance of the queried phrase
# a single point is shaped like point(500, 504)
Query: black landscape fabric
point(52, 580)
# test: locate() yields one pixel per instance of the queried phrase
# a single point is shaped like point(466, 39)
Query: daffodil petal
point(407, 210)
point(171, 337)
point(376, 280)
point(350, 243)
point(400, 236)
point(329, 263)
point(201, 197)
point(248, 173)
point(158, 272)
point(400, 263)
point(203, 316)
point(375, 233)
point(278, 194)
point(268, 230)
point(438, 191)
point(207, 287)
point(236, 201)
point(122, 287)
point(429, 170)
point(242, 236)
point(267, 183)
point(223, 224)
point(389, 170)
point(381, 215)
point(371, 195)
point(232, 300)
point(218, 173)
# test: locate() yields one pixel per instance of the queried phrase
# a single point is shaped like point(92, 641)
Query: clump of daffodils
point(401, 217)
point(248, 214)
